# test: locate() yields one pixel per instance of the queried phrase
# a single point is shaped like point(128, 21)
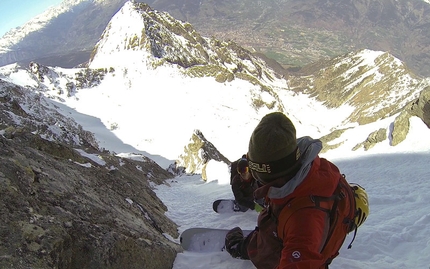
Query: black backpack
point(233, 171)
point(233, 168)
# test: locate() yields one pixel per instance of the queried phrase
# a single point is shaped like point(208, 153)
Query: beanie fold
point(266, 172)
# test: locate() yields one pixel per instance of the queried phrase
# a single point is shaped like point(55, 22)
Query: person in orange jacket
point(287, 168)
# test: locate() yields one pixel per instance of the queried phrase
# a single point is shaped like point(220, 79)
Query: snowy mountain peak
point(163, 64)
point(136, 27)
point(140, 34)
point(373, 84)
point(123, 34)
point(14, 36)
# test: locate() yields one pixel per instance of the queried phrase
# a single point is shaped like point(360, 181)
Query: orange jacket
point(305, 232)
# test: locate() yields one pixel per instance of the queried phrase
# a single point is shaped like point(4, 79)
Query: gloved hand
point(233, 242)
point(258, 208)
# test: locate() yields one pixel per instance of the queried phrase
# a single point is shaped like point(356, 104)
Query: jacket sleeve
point(303, 240)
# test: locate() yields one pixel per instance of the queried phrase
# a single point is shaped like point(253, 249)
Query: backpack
point(341, 208)
point(233, 168)
point(233, 171)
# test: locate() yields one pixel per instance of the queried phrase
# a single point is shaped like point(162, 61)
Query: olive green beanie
point(273, 147)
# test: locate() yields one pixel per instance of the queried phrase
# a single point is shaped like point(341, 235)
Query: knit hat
point(273, 147)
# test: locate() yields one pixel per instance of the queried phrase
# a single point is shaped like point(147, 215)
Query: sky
point(136, 110)
point(15, 13)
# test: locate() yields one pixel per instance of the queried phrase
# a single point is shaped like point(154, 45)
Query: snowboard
point(227, 206)
point(205, 239)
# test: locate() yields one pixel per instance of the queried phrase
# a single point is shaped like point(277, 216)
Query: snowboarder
point(290, 235)
point(243, 186)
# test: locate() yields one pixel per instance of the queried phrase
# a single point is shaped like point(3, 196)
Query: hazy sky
point(15, 13)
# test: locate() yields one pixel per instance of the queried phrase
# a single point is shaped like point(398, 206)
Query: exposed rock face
point(66, 204)
point(330, 137)
point(373, 138)
point(198, 153)
point(62, 210)
point(421, 107)
point(374, 89)
point(400, 128)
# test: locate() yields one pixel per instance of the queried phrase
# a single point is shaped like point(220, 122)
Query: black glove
point(234, 243)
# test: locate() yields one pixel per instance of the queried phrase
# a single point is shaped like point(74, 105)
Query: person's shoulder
point(236, 179)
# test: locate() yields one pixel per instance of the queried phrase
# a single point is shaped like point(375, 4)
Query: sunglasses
point(243, 170)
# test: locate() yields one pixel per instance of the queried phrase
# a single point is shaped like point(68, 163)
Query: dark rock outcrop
point(421, 107)
point(66, 204)
point(60, 209)
point(373, 138)
point(198, 153)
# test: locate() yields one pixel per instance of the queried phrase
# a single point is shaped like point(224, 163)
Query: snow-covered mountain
point(76, 186)
point(280, 29)
point(14, 36)
point(64, 34)
point(151, 65)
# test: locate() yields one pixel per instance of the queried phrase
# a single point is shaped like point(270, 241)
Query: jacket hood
point(310, 148)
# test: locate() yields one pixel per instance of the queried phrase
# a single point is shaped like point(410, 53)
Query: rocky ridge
point(67, 204)
point(297, 33)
